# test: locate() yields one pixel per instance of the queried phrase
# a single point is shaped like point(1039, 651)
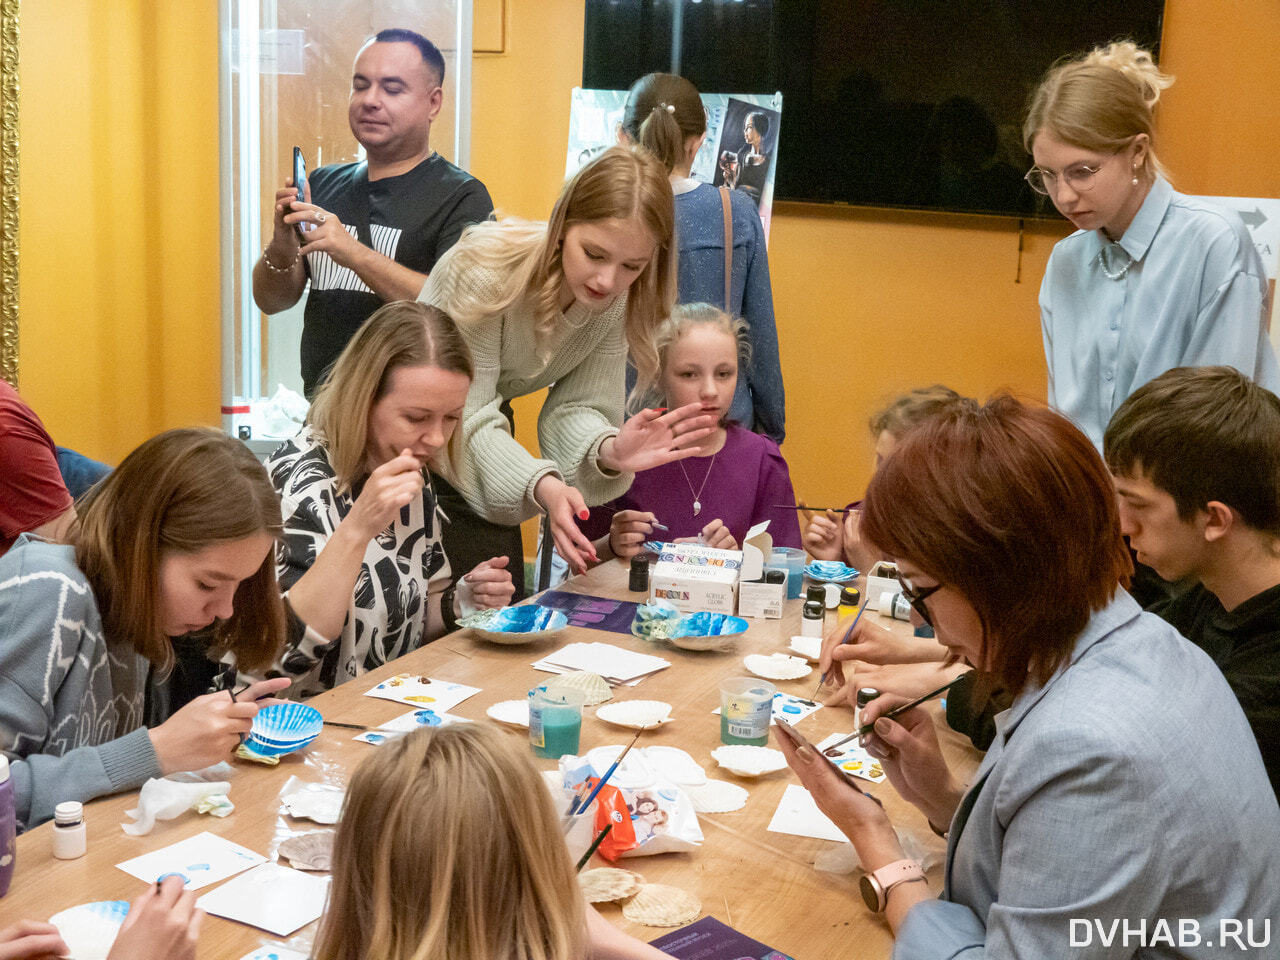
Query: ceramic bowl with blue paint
point(707, 631)
point(511, 626)
point(830, 571)
point(283, 728)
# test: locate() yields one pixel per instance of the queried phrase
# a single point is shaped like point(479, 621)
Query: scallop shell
point(283, 728)
point(90, 929)
point(830, 571)
point(707, 631)
point(636, 714)
point(657, 905)
point(511, 626)
point(604, 884)
point(323, 805)
point(808, 647)
point(513, 712)
point(717, 796)
point(309, 851)
point(676, 765)
point(593, 686)
point(748, 761)
point(777, 666)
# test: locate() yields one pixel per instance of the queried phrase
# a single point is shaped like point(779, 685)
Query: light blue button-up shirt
point(1191, 291)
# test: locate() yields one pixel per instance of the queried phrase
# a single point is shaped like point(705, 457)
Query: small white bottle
point(69, 835)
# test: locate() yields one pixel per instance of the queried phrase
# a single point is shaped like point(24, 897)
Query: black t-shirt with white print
point(412, 218)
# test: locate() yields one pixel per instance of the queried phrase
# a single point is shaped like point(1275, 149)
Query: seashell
point(830, 571)
point(657, 905)
point(636, 714)
point(717, 796)
point(511, 626)
point(676, 765)
point(707, 631)
point(777, 666)
point(90, 929)
point(808, 647)
point(748, 761)
point(513, 712)
point(309, 851)
point(283, 728)
point(604, 884)
point(323, 804)
point(593, 686)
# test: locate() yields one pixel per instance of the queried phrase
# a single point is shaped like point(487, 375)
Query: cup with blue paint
point(790, 559)
point(555, 721)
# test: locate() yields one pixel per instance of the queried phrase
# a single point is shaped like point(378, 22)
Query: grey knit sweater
point(71, 703)
point(584, 365)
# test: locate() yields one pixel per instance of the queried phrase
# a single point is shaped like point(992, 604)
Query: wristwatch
point(877, 884)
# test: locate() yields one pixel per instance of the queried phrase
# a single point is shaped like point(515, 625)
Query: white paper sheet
point(272, 897)
point(611, 662)
point(200, 860)
point(798, 815)
point(407, 723)
point(416, 691)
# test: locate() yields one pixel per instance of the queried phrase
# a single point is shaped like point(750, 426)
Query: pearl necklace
point(1109, 253)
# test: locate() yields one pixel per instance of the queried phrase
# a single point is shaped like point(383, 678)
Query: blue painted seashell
point(830, 571)
point(284, 727)
point(707, 624)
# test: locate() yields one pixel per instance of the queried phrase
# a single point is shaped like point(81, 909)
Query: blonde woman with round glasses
point(1152, 279)
point(449, 847)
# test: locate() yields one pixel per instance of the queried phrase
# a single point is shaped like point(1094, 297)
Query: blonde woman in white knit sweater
point(559, 305)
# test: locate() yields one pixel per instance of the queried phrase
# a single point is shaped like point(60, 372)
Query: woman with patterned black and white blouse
point(361, 558)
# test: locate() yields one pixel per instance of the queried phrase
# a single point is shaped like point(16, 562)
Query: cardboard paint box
point(756, 598)
point(693, 577)
point(881, 578)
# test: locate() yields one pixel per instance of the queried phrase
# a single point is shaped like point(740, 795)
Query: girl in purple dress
point(738, 478)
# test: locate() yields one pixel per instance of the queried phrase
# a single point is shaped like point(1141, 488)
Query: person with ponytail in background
point(1152, 279)
point(664, 114)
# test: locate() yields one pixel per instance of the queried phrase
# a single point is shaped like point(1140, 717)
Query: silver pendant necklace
point(697, 497)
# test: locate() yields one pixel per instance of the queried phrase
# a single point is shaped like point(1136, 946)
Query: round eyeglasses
point(1078, 176)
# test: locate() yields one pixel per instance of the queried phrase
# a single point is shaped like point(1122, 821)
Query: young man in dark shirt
point(376, 228)
point(1196, 458)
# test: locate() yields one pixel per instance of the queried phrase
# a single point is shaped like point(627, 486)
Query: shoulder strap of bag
point(728, 245)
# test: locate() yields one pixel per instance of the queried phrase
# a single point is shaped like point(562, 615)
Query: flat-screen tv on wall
point(896, 103)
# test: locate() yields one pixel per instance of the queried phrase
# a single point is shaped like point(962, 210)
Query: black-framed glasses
point(916, 596)
point(1079, 177)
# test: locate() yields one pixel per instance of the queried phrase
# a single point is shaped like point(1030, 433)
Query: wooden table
point(762, 883)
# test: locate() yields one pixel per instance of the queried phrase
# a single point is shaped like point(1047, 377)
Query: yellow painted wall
point(119, 225)
point(118, 301)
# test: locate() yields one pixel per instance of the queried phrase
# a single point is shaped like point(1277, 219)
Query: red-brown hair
point(1011, 506)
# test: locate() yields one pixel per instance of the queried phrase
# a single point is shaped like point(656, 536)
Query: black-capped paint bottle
point(638, 579)
point(811, 619)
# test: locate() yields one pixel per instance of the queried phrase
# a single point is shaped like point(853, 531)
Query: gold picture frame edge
point(9, 190)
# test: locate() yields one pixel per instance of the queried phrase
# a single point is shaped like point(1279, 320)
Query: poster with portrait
point(740, 150)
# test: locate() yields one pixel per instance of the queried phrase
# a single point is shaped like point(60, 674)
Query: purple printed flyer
point(709, 939)
point(598, 613)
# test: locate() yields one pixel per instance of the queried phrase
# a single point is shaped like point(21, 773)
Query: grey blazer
point(1122, 811)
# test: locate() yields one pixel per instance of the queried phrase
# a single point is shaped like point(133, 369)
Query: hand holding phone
point(300, 185)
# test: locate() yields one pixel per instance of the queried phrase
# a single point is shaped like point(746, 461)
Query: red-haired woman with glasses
point(1151, 279)
point(1085, 812)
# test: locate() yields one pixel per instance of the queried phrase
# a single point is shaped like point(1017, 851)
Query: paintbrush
point(578, 808)
point(867, 728)
point(592, 849)
point(847, 634)
point(345, 726)
point(803, 509)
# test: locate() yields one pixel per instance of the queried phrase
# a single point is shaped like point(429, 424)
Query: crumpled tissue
point(166, 798)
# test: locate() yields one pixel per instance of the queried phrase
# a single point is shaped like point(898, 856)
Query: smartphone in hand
point(299, 173)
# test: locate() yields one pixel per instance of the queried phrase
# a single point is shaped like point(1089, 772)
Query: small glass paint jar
point(811, 619)
point(638, 579)
point(850, 598)
point(70, 839)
